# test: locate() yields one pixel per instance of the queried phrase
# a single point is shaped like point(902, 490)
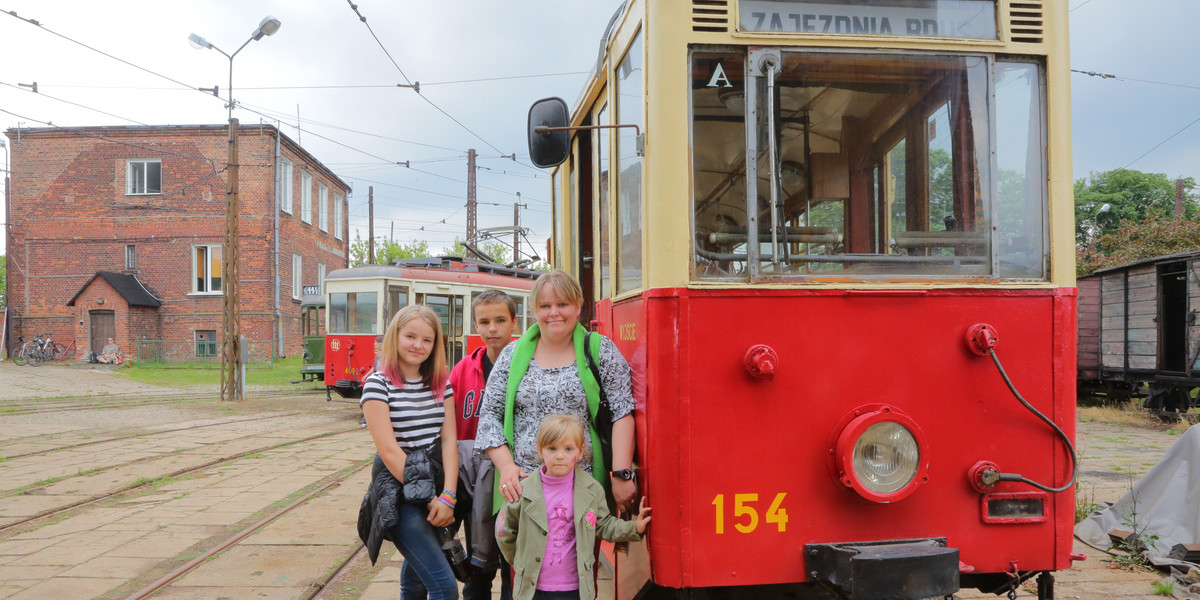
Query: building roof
point(128, 286)
point(1186, 255)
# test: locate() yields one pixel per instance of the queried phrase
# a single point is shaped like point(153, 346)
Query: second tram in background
point(360, 301)
point(814, 228)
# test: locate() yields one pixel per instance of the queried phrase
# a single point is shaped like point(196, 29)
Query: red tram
point(814, 228)
point(360, 301)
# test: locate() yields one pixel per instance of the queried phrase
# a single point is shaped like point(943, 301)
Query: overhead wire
point(264, 111)
point(1121, 78)
point(45, 95)
point(362, 18)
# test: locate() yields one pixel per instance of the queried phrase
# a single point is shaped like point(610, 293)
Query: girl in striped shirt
point(408, 408)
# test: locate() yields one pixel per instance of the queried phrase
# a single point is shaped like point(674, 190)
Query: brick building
point(118, 232)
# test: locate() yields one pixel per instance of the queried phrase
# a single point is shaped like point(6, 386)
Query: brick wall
point(70, 216)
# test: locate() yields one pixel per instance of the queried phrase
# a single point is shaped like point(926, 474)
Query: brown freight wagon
point(1138, 332)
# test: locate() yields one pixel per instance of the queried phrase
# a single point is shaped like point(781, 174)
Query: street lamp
point(233, 373)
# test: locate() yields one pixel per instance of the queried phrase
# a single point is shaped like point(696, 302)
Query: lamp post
point(233, 372)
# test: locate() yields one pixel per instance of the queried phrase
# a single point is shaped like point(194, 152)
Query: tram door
point(450, 311)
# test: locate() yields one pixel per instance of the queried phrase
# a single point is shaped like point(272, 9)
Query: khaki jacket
point(523, 528)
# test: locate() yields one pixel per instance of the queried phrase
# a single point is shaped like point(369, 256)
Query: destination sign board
point(969, 19)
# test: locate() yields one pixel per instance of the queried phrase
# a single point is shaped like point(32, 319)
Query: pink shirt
point(560, 569)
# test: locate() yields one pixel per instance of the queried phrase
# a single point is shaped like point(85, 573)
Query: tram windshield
point(867, 164)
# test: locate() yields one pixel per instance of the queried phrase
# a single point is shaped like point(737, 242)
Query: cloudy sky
point(480, 64)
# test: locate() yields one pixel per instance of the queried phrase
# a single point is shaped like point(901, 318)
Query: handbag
point(602, 420)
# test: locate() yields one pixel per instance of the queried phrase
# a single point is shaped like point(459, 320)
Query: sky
point(480, 64)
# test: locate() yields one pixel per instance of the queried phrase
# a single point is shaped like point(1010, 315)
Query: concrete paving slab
point(112, 567)
point(14, 507)
point(265, 566)
point(158, 545)
point(73, 588)
point(229, 593)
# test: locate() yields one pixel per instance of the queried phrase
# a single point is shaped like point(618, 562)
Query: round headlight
point(886, 457)
point(878, 453)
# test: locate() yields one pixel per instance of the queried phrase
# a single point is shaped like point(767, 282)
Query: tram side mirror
point(548, 148)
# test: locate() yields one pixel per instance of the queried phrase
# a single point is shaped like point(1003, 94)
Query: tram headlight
point(879, 454)
point(886, 457)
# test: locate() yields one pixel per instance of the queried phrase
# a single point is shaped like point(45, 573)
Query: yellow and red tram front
point(834, 239)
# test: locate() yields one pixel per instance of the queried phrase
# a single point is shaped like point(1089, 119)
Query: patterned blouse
point(544, 392)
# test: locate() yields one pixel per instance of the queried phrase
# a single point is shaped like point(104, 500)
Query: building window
point(206, 264)
point(337, 217)
point(323, 199)
point(206, 343)
point(306, 197)
point(297, 271)
point(320, 278)
point(285, 185)
point(130, 257)
point(143, 177)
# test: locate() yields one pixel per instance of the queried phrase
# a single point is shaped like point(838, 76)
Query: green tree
point(1104, 200)
point(386, 250)
point(1136, 240)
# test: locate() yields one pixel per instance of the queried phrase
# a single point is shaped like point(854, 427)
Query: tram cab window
point(353, 312)
point(867, 165)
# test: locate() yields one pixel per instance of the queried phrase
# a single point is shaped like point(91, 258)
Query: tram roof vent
point(1025, 21)
point(710, 15)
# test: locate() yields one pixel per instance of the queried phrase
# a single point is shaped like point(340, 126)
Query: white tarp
point(1167, 504)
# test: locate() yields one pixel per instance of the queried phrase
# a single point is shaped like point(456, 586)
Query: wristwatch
point(626, 474)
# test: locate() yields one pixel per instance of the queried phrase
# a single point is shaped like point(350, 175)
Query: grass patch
point(1131, 414)
point(1085, 503)
point(1164, 588)
point(282, 373)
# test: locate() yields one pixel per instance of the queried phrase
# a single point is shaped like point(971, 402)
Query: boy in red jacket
point(494, 314)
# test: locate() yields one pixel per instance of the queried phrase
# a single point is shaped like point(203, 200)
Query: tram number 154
point(745, 515)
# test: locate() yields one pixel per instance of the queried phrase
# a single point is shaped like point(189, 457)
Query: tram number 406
point(745, 515)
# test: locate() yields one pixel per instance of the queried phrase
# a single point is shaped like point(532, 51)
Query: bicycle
point(30, 352)
point(58, 351)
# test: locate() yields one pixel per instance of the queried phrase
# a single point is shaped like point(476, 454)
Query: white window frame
point(323, 206)
point(131, 257)
point(306, 197)
point(131, 185)
point(208, 277)
point(297, 276)
point(285, 185)
point(337, 217)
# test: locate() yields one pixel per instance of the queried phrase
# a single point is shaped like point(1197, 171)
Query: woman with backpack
point(546, 372)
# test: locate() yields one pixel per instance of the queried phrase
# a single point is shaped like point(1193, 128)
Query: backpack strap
point(521, 357)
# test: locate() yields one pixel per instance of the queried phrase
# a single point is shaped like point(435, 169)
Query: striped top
point(416, 417)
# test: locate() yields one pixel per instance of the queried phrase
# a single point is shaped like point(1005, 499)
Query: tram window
point(629, 169)
point(353, 312)
point(602, 194)
point(1021, 178)
point(882, 167)
point(397, 299)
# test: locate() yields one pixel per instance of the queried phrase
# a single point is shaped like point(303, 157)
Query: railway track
point(28, 406)
point(119, 438)
point(229, 542)
point(142, 482)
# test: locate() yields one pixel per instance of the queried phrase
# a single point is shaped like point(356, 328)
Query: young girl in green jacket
point(549, 534)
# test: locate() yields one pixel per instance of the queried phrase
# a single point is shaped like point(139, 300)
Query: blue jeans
point(479, 587)
point(425, 567)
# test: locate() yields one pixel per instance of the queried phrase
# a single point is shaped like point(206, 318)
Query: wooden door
point(103, 325)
